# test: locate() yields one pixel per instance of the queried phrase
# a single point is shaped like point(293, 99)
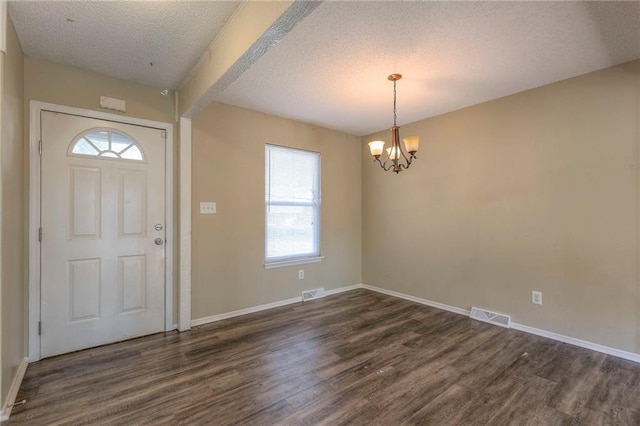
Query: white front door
point(103, 232)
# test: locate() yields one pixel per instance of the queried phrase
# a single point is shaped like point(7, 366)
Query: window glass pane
point(105, 143)
point(292, 203)
point(100, 139)
point(292, 176)
point(132, 153)
point(84, 147)
point(290, 231)
point(119, 142)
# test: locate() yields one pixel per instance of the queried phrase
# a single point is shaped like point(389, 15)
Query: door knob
point(159, 241)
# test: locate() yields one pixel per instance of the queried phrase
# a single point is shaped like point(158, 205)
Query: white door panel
point(102, 273)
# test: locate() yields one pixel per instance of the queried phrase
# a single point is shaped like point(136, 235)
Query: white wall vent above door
point(491, 317)
point(316, 293)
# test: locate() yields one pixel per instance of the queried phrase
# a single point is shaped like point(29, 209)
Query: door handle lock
point(159, 241)
point(158, 227)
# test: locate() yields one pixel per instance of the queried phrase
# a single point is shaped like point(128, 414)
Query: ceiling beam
point(255, 27)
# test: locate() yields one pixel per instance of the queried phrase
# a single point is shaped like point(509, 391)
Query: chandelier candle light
point(396, 159)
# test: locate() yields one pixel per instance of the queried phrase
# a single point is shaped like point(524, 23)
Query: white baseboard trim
point(631, 356)
point(342, 289)
point(427, 302)
point(220, 317)
point(13, 390)
point(578, 342)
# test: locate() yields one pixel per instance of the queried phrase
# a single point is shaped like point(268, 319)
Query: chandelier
point(396, 159)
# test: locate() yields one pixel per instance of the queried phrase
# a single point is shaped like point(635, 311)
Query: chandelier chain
point(395, 115)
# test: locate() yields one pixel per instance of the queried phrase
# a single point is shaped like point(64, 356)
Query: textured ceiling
point(331, 69)
point(122, 38)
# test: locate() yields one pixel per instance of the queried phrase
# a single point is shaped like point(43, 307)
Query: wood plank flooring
point(358, 358)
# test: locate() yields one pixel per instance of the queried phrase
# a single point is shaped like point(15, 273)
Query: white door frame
point(35, 109)
point(184, 313)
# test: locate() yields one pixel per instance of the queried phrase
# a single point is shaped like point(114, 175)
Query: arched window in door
point(106, 143)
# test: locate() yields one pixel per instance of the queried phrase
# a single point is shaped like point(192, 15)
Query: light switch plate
point(208, 207)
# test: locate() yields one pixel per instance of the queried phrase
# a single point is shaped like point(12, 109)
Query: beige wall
point(228, 247)
point(535, 191)
point(13, 262)
point(61, 84)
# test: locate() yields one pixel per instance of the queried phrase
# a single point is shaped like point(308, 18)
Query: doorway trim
point(184, 311)
point(35, 109)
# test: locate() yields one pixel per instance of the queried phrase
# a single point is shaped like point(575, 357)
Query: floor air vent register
point(316, 293)
point(491, 317)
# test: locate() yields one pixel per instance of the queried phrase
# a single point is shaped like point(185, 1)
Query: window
point(292, 206)
point(107, 144)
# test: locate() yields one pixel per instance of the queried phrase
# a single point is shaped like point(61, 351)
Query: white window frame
point(301, 259)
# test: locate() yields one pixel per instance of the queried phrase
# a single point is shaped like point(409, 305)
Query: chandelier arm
point(383, 165)
point(403, 155)
point(398, 164)
point(404, 166)
point(409, 160)
point(395, 165)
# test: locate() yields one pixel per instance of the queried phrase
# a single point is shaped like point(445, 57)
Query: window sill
point(292, 262)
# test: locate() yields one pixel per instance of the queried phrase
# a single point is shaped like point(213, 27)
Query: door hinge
point(39, 234)
point(40, 147)
point(39, 328)
point(163, 134)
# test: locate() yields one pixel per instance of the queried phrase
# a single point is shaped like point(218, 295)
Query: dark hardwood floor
point(357, 358)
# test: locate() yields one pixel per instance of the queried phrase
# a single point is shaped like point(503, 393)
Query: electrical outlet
point(536, 297)
point(301, 274)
